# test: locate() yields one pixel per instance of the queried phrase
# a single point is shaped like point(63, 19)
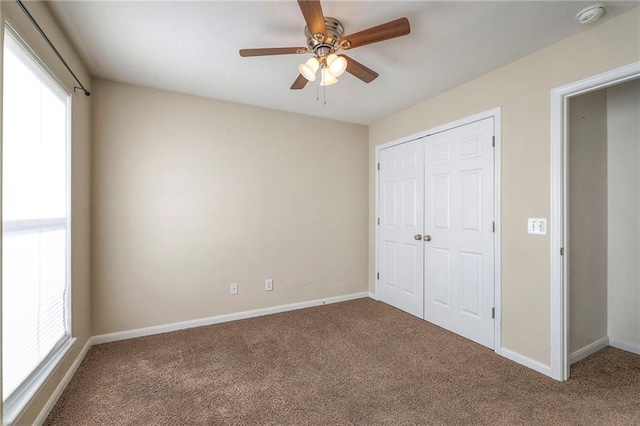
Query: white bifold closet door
point(401, 220)
point(436, 242)
point(459, 264)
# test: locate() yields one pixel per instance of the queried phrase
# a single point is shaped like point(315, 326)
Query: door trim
point(496, 114)
point(559, 229)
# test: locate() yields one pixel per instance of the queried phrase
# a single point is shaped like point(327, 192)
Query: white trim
point(372, 295)
point(590, 349)
point(497, 217)
point(527, 362)
point(22, 397)
point(559, 193)
point(158, 329)
point(558, 348)
point(496, 114)
point(63, 384)
point(625, 345)
point(376, 203)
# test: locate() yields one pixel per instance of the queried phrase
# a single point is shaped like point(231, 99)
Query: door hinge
point(493, 313)
point(378, 221)
point(561, 251)
point(378, 275)
point(494, 227)
point(493, 141)
point(378, 166)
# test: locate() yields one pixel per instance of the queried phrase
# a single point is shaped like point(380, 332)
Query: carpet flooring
point(354, 363)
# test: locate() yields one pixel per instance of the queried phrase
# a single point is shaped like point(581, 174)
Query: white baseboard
point(373, 296)
point(527, 362)
point(63, 384)
point(148, 331)
point(590, 349)
point(625, 345)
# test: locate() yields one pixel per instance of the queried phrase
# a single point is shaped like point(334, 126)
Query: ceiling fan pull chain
point(324, 94)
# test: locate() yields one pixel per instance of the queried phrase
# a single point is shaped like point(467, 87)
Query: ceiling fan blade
point(299, 83)
point(272, 51)
point(312, 12)
point(356, 69)
point(393, 29)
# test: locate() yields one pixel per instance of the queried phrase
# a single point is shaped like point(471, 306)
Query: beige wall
point(522, 88)
point(192, 194)
point(623, 104)
point(588, 219)
point(81, 183)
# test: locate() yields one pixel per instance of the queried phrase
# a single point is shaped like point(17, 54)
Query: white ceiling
point(192, 47)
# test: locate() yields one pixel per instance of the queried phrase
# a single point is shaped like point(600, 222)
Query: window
point(36, 277)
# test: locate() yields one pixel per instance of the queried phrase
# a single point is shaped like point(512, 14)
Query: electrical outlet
point(268, 284)
point(234, 288)
point(537, 226)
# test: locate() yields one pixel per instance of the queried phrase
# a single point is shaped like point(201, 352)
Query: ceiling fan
point(324, 39)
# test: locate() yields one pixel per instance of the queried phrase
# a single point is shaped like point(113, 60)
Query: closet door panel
point(459, 247)
point(401, 255)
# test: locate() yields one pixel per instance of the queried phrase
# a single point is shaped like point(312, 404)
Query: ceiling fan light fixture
point(327, 78)
point(337, 65)
point(325, 36)
point(309, 69)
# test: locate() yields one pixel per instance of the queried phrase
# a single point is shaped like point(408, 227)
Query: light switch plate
point(536, 225)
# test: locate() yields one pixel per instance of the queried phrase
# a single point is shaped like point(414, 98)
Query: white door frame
point(559, 229)
point(496, 113)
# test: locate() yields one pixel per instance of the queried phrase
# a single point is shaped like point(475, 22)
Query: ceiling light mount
point(591, 13)
point(334, 32)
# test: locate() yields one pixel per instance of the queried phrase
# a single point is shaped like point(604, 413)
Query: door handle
point(417, 237)
point(427, 237)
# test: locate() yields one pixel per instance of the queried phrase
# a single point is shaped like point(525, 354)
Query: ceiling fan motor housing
point(325, 46)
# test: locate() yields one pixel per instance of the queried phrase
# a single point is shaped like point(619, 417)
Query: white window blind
point(35, 219)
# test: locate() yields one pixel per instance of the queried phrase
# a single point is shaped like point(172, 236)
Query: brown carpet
point(360, 362)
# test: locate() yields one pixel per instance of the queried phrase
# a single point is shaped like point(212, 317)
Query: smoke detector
point(591, 13)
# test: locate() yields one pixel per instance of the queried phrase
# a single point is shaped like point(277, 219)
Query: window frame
point(15, 403)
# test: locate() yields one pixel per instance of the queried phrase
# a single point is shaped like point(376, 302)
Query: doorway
point(436, 227)
point(594, 216)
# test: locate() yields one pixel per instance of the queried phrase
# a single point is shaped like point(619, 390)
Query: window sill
point(15, 405)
